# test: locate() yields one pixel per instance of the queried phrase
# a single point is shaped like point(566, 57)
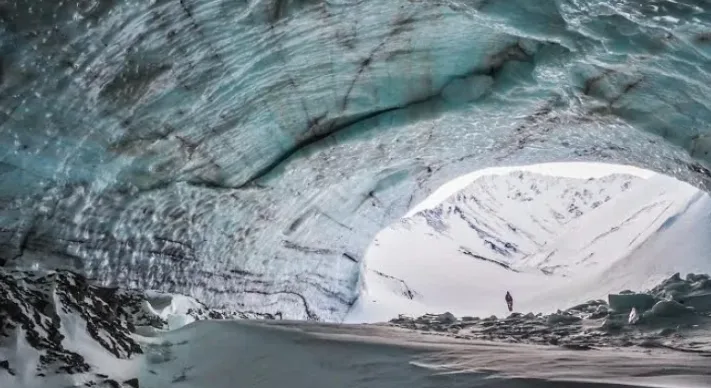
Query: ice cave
point(246, 153)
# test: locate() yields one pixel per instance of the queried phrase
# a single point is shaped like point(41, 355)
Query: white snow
point(655, 227)
point(580, 170)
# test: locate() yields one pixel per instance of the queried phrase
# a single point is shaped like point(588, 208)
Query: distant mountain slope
point(503, 218)
point(613, 231)
point(551, 241)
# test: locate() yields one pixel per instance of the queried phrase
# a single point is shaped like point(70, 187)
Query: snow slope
point(58, 330)
point(615, 230)
point(505, 218)
point(505, 236)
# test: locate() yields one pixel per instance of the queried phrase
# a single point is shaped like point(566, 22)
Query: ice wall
point(246, 152)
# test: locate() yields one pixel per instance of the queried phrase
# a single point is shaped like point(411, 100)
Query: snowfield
point(551, 241)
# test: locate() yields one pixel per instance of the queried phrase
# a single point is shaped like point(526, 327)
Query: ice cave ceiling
point(245, 152)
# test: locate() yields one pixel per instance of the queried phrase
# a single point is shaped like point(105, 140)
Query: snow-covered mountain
point(504, 218)
point(613, 231)
point(551, 241)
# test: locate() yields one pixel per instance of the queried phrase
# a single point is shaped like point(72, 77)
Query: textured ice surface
point(305, 354)
point(245, 153)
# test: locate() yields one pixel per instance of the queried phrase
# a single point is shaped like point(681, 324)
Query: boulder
point(446, 318)
point(669, 308)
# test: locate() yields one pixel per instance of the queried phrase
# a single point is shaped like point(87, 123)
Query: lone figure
point(509, 300)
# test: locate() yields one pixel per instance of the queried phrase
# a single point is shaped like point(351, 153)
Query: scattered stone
point(633, 320)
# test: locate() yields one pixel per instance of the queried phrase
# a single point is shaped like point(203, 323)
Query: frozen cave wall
point(245, 152)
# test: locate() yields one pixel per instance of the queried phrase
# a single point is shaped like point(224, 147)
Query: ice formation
point(246, 153)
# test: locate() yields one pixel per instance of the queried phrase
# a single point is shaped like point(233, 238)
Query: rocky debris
point(661, 319)
point(5, 364)
point(38, 306)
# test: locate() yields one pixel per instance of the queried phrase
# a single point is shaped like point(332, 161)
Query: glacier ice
point(245, 153)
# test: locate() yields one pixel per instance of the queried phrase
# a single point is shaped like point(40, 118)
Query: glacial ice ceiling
point(246, 152)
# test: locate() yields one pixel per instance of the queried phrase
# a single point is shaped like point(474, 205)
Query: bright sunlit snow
point(581, 170)
point(552, 241)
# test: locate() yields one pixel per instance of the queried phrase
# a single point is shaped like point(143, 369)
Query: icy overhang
point(245, 153)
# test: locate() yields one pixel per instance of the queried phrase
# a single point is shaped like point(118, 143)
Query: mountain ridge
point(487, 206)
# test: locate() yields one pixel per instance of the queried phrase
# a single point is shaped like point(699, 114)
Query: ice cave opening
point(244, 154)
point(554, 235)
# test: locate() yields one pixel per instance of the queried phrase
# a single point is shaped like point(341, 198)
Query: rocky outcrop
point(59, 316)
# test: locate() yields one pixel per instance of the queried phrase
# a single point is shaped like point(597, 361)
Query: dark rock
point(669, 308)
point(112, 383)
point(446, 318)
point(577, 346)
point(132, 382)
point(562, 319)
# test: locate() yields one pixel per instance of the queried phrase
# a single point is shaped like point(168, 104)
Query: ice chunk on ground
point(623, 303)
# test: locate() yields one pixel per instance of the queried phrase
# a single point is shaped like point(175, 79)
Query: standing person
point(509, 300)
